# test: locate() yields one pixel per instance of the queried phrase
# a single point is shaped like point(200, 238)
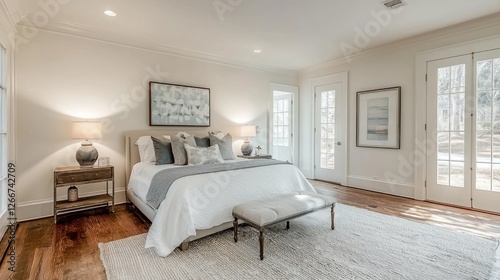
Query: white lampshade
point(86, 130)
point(248, 130)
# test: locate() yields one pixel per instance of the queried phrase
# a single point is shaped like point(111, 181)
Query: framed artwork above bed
point(178, 105)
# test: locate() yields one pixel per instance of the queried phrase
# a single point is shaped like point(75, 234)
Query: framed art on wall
point(378, 118)
point(178, 105)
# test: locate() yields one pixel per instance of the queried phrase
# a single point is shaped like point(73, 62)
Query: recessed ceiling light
point(257, 51)
point(110, 13)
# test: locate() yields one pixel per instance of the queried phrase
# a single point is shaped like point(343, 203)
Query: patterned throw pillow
point(199, 155)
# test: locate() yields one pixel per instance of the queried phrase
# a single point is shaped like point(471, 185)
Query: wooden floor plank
point(69, 250)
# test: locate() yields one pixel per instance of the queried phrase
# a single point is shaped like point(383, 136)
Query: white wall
point(63, 78)
point(384, 170)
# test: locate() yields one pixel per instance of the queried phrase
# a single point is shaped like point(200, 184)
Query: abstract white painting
point(178, 105)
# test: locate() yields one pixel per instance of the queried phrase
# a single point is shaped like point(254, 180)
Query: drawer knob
point(72, 178)
point(97, 174)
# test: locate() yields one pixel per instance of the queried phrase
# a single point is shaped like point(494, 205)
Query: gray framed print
point(378, 118)
point(178, 105)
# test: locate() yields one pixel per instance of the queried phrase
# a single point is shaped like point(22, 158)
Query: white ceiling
point(292, 34)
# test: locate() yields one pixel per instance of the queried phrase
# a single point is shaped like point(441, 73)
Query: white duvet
point(206, 200)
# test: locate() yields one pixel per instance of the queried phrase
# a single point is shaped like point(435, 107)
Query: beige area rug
point(364, 245)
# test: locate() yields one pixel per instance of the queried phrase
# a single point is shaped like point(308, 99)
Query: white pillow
point(147, 149)
point(200, 155)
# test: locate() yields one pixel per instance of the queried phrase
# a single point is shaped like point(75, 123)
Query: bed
point(200, 205)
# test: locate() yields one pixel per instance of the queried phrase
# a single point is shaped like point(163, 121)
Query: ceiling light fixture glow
point(257, 51)
point(110, 13)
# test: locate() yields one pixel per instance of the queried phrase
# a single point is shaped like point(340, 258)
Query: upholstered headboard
point(132, 151)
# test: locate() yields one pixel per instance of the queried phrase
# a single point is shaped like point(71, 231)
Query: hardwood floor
point(69, 249)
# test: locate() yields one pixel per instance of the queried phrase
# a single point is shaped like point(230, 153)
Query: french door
point(328, 133)
point(463, 124)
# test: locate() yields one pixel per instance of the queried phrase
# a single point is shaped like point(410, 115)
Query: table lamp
point(87, 154)
point(247, 131)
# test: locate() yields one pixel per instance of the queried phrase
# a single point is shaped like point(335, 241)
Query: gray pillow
point(201, 155)
point(163, 151)
point(202, 141)
point(225, 145)
point(178, 149)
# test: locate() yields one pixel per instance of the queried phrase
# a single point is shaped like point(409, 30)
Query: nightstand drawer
point(96, 175)
point(70, 178)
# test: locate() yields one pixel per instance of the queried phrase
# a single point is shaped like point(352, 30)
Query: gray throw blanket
point(162, 180)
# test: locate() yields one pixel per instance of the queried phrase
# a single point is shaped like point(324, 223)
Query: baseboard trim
point(38, 209)
point(382, 186)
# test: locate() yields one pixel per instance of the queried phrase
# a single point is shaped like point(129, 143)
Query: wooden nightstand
point(76, 175)
point(256, 157)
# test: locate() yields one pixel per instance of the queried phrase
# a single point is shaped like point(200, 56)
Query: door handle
point(338, 143)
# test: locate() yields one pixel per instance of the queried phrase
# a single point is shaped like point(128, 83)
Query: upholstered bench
point(276, 209)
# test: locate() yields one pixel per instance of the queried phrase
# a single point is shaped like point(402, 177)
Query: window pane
point(496, 178)
point(483, 110)
point(484, 74)
point(280, 105)
point(496, 73)
point(331, 98)
point(443, 173)
point(443, 145)
point(457, 146)
point(443, 113)
point(457, 174)
point(286, 105)
point(483, 176)
point(444, 80)
point(457, 112)
point(483, 147)
point(458, 78)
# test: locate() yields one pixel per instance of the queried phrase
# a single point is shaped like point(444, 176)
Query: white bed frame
point(132, 157)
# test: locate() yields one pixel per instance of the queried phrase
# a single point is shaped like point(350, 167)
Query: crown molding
point(80, 30)
point(430, 37)
point(7, 23)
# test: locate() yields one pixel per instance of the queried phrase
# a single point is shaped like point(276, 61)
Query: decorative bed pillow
point(146, 149)
point(225, 145)
point(202, 141)
point(178, 148)
point(163, 151)
point(200, 155)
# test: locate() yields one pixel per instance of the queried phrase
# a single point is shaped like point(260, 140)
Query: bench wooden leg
point(261, 243)
point(333, 216)
point(235, 227)
point(287, 225)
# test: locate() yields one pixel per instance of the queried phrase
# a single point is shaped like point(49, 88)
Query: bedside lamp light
point(87, 154)
point(247, 131)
